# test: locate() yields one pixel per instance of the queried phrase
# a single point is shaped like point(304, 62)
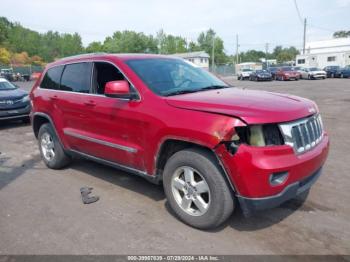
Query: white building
point(325, 53)
point(201, 58)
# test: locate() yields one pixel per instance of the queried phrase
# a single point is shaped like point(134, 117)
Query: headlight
point(25, 99)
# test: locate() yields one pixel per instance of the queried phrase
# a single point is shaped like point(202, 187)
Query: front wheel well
point(172, 146)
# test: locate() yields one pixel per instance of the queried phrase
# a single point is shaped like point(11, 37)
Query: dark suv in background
point(332, 71)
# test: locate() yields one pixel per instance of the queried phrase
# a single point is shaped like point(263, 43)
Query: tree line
point(21, 46)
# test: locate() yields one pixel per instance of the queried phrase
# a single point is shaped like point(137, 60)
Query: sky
point(256, 23)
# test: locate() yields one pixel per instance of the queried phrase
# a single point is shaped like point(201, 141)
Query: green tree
point(94, 47)
point(130, 42)
point(285, 54)
point(252, 56)
point(340, 34)
point(5, 27)
point(169, 44)
point(206, 41)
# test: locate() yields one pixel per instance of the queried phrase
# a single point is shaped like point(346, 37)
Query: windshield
point(4, 85)
point(287, 68)
point(246, 70)
point(314, 69)
point(167, 77)
point(261, 71)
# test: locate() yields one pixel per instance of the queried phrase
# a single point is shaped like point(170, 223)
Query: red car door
point(72, 102)
point(113, 128)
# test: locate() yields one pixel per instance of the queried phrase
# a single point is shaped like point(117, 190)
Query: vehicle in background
point(260, 75)
point(331, 71)
point(7, 74)
point(313, 73)
point(244, 74)
point(287, 73)
point(14, 102)
point(273, 71)
point(35, 75)
point(344, 72)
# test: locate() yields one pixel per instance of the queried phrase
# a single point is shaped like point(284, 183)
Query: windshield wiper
point(180, 92)
point(213, 87)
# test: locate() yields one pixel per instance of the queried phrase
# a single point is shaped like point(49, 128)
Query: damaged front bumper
point(251, 205)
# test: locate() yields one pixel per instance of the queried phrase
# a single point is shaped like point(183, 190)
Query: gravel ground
point(41, 210)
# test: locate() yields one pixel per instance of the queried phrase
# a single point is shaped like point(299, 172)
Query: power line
point(298, 11)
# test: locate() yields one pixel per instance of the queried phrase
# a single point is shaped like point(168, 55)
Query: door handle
point(90, 103)
point(53, 97)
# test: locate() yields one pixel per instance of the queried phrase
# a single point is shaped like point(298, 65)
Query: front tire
point(196, 189)
point(50, 148)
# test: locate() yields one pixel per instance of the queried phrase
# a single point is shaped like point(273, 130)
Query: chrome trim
point(314, 122)
point(91, 60)
point(101, 142)
point(114, 164)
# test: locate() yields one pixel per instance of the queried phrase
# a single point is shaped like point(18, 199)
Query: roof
point(335, 42)
point(102, 55)
point(201, 54)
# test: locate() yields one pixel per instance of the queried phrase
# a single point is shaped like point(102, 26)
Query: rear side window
point(52, 77)
point(77, 78)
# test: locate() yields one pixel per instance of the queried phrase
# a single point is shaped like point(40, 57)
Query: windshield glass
point(4, 85)
point(287, 68)
point(314, 69)
point(246, 70)
point(173, 76)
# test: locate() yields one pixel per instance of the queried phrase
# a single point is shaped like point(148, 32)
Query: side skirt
point(153, 179)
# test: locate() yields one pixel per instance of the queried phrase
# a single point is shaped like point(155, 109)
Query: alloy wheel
point(191, 191)
point(47, 146)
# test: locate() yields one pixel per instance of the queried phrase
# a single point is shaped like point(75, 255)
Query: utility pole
point(304, 38)
point(213, 55)
point(237, 49)
point(266, 52)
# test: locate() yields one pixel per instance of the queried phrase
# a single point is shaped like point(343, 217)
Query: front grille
point(303, 134)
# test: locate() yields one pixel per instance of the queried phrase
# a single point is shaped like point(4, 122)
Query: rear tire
point(186, 174)
point(51, 149)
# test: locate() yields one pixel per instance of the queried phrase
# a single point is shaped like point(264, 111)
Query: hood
point(253, 107)
point(12, 94)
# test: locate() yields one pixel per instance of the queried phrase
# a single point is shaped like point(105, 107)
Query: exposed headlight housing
point(256, 135)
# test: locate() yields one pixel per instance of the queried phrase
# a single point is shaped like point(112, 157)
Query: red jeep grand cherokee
point(163, 119)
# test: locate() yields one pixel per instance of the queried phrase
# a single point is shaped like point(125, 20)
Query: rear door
point(73, 99)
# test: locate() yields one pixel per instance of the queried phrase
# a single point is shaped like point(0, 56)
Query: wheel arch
point(173, 145)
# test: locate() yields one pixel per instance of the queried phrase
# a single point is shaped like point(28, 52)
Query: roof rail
point(83, 55)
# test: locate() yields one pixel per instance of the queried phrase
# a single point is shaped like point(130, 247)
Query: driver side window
point(104, 72)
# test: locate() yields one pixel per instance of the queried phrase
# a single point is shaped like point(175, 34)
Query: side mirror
point(119, 89)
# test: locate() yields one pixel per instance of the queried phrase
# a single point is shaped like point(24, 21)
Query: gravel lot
point(41, 210)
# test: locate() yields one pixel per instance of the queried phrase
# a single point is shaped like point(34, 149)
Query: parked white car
point(312, 73)
point(245, 74)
